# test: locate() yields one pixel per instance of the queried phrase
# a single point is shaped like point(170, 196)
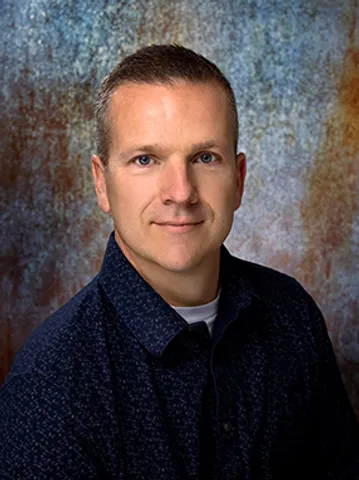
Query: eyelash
point(215, 158)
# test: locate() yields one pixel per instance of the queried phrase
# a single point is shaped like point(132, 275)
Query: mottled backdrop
point(294, 66)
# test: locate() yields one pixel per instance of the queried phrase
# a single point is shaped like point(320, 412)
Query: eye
point(207, 158)
point(143, 160)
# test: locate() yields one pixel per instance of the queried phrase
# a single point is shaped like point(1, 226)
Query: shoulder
point(59, 393)
point(266, 281)
point(281, 298)
point(68, 338)
point(288, 318)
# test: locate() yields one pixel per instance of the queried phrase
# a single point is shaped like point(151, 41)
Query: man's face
point(172, 182)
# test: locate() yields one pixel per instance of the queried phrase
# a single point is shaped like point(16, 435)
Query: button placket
point(227, 427)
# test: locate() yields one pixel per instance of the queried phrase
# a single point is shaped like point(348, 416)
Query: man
point(178, 361)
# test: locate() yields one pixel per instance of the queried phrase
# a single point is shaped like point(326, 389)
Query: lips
point(179, 227)
point(178, 224)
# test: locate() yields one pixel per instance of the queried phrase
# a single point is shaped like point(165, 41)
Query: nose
point(178, 183)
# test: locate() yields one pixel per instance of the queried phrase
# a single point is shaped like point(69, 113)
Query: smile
point(179, 227)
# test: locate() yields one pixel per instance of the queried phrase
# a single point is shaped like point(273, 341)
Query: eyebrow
point(205, 145)
point(151, 148)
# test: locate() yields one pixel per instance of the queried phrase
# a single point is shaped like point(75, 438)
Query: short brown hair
point(157, 64)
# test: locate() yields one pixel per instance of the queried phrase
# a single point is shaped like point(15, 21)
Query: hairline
point(170, 81)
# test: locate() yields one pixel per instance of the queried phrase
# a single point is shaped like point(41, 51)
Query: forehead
point(179, 95)
point(185, 109)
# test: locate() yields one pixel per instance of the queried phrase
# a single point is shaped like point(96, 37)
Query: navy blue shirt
point(117, 385)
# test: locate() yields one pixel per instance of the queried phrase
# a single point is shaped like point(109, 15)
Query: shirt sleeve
point(336, 430)
point(37, 437)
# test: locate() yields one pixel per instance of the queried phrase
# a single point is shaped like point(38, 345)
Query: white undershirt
point(205, 313)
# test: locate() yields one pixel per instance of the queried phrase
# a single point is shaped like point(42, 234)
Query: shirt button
point(227, 427)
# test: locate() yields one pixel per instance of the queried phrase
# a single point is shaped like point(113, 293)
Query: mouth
point(179, 226)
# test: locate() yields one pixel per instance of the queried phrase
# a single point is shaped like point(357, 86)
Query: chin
point(179, 265)
point(178, 262)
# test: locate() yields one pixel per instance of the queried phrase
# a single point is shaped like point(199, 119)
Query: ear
point(98, 173)
point(240, 176)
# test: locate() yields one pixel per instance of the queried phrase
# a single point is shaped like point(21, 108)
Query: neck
point(181, 289)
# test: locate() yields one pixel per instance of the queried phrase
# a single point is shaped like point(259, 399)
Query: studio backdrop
point(294, 67)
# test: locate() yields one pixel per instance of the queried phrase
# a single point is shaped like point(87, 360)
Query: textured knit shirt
point(117, 385)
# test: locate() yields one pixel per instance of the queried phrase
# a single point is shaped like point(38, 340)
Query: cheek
point(224, 193)
point(117, 195)
point(130, 196)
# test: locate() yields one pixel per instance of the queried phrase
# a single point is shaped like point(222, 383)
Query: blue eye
point(207, 158)
point(143, 160)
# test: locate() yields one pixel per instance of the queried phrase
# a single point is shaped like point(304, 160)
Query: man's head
point(168, 171)
point(161, 65)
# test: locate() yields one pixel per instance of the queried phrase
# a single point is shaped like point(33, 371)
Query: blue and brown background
point(294, 66)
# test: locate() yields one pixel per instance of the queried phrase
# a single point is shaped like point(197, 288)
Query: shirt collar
point(149, 317)
point(237, 292)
